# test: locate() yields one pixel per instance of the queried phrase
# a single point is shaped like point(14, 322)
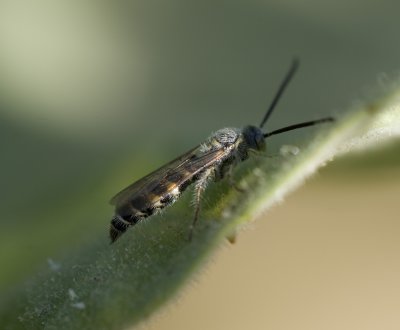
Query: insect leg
point(199, 189)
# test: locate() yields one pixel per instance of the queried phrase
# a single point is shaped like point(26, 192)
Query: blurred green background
point(94, 94)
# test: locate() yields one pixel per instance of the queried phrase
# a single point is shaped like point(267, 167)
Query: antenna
point(300, 125)
point(282, 87)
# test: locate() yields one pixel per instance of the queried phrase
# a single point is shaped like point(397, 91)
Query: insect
point(212, 160)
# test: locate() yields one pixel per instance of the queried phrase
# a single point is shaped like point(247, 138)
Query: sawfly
point(210, 161)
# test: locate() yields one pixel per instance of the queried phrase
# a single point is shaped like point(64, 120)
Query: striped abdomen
point(145, 204)
point(163, 186)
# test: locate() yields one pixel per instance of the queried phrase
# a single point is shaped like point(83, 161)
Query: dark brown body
point(209, 161)
point(164, 186)
point(145, 204)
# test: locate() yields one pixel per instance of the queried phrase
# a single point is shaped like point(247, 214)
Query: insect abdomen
point(141, 207)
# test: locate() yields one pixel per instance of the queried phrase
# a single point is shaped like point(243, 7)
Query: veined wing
point(171, 175)
point(156, 175)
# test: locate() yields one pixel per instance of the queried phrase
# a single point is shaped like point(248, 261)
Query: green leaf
point(103, 286)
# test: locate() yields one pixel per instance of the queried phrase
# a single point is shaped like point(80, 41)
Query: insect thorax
point(241, 139)
point(223, 138)
point(227, 138)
